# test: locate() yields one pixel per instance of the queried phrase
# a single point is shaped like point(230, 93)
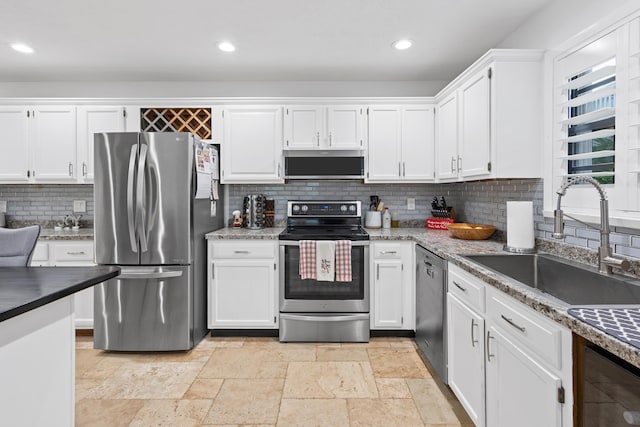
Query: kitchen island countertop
point(27, 288)
point(452, 249)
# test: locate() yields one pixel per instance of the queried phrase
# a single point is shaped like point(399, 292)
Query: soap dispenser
point(386, 218)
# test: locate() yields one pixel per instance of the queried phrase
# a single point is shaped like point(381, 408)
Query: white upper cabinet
point(489, 121)
point(474, 139)
point(344, 126)
point(418, 143)
point(447, 138)
point(14, 161)
point(92, 120)
point(54, 143)
point(252, 145)
point(401, 143)
point(39, 144)
point(312, 127)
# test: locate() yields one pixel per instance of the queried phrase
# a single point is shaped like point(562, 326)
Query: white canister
point(373, 219)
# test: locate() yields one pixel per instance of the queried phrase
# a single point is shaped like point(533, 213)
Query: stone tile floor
point(259, 381)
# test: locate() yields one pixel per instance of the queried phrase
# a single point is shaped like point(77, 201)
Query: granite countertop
point(451, 249)
point(27, 288)
point(51, 234)
point(267, 233)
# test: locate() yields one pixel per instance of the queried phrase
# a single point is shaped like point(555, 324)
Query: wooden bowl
point(465, 231)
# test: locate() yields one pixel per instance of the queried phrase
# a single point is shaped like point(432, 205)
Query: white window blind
point(588, 116)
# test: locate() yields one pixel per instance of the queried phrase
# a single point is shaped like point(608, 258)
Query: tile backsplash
point(45, 203)
point(479, 201)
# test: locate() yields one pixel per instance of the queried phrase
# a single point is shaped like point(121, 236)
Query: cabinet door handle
point(452, 161)
point(463, 289)
point(399, 168)
point(318, 138)
point(330, 139)
point(241, 252)
point(278, 170)
point(388, 252)
point(84, 169)
point(76, 253)
point(403, 169)
point(474, 341)
point(459, 163)
point(514, 324)
point(377, 271)
point(213, 271)
point(70, 169)
point(489, 355)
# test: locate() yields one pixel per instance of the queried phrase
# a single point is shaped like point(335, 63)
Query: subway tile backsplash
point(479, 202)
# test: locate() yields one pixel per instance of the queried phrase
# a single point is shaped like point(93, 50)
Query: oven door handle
point(296, 243)
point(339, 318)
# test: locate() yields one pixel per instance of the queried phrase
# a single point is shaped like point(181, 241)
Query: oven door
point(311, 296)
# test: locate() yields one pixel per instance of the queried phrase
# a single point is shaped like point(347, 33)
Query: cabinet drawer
point(387, 250)
point(73, 251)
point(540, 335)
point(243, 249)
point(40, 252)
point(467, 288)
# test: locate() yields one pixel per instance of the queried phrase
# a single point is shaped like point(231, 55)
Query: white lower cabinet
point(507, 364)
point(242, 285)
point(466, 357)
point(520, 390)
point(392, 285)
point(70, 253)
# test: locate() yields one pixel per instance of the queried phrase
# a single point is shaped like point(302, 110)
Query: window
point(595, 129)
point(591, 124)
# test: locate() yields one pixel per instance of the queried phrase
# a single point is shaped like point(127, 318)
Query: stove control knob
point(352, 208)
point(296, 208)
point(343, 208)
point(305, 208)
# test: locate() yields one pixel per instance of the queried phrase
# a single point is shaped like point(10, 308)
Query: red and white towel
point(307, 259)
point(343, 261)
point(325, 260)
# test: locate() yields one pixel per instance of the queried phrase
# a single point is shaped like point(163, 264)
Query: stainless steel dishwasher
point(431, 319)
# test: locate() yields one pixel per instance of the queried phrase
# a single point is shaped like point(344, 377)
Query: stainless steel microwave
point(321, 167)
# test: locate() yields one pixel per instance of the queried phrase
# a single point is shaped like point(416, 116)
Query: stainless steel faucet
point(606, 260)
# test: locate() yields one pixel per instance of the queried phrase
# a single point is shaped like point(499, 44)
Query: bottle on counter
point(386, 218)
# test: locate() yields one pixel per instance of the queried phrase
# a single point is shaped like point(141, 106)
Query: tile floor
point(258, 381)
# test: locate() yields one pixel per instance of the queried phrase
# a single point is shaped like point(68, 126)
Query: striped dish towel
point(307, 259)
point(343, 261)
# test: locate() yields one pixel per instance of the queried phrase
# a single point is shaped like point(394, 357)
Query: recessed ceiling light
point(22, 48)
point(402, 44)
point(226, 47)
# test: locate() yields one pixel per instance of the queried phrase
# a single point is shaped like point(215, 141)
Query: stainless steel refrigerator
point(148, 222)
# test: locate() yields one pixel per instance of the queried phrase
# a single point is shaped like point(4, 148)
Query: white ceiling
point(285, 40)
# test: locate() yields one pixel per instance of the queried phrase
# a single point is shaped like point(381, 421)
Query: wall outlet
point(411, 204)
point(79, 206)
point(3, 206)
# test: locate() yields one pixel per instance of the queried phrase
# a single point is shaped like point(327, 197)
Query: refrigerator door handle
point(140, 208)
point(148, 274)
point(130, 207)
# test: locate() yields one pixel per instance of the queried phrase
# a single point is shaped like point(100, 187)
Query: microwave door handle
point(141, 209)
point(130, 201)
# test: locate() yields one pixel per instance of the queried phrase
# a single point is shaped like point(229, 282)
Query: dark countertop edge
point(540, 303)
point(39, 302)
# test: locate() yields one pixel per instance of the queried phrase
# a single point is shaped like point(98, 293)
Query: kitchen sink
point(567, 282)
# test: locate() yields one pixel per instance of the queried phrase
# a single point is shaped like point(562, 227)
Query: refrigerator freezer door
point(165, 196)
point(144, 309)
point(115, 159)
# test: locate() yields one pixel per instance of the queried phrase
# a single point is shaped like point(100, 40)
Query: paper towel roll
point(520, 225)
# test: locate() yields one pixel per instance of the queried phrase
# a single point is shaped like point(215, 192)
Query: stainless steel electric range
point(324, 311)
